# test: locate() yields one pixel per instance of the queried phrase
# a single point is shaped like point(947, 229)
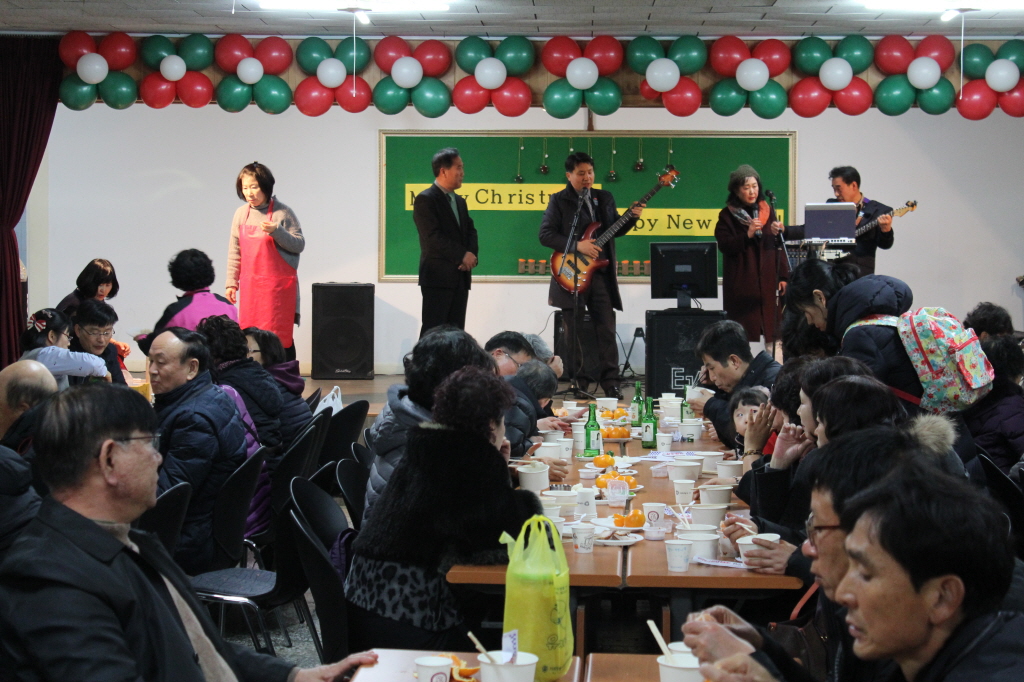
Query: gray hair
point(539, 378)
point(540, 347)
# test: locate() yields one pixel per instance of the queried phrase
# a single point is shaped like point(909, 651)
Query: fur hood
point(935, 435)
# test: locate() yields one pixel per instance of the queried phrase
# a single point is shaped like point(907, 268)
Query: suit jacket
point(443, 240)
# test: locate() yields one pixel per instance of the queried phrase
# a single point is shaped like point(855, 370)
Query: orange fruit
point(619, 520)
point(464, 674)
point(602, 481)
point(623, 432)
point(604, 461)
point(619, 412)
point(607, 414)
point(636, 519)
point(606, 432)
point(630, 481)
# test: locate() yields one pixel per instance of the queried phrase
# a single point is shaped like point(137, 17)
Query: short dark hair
point(271, 350)
point(722, 339)
point(224, 338)
point(22, 392)
point(1006, 356)
point(854, 402)
point(443, 158)
point(813, 273)
point(76, 421)
point(575, 159)
point(801, 338)
point(195, 346)
point(933, 524)
point(786, 389)
point(513, 342)
point(471, 399)
point(439, 353)
point(847, 174)
point(990, 318)
point(264, 178)
point(40, 324)
point(97, 313)
point(98, 271)
point(740, 397)
point(190, 270)
point(817, 373)
point(539, 378)
point(855, 461)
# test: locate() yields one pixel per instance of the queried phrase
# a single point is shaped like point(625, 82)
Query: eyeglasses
point(66, 335)
point(154, 440)
point(505, 353)
point(254, 351)
point(98, 334)
point(813, 529)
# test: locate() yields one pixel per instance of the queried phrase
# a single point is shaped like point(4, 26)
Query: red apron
point(267, 284)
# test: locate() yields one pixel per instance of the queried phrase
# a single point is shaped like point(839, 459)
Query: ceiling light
point(382, 6)
point(362, 17)
point(938, 6)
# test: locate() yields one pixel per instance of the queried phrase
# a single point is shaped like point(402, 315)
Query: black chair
point(352, 477)
point(363, 455)
point(344, 430)
point(324, 478)
point(1002, 489)
point(328, 593)
point(165, 519)
point(314, 399)
point(366, 436)
point(319, 511)
point(322, 423)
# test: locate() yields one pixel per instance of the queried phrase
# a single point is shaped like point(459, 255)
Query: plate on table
point(609, 522)
point(626, 541)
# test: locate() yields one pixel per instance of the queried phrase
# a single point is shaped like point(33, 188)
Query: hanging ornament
point(669, 161)
point(519, 164)
point(544, 159)
point(612, 177)
point(571, 148)
point(639, 165)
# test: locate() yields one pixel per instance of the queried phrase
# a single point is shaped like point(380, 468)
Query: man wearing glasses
point(94, 327)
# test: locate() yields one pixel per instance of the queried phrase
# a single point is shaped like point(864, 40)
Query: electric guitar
point(574, 271)
point(862, 229)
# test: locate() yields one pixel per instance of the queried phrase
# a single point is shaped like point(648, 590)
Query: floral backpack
point(950, 364)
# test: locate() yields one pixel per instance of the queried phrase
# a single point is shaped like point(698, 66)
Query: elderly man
point(24, 385)
point(203, 437)
point(94, 329)
point(510, 351)
point(83, 597)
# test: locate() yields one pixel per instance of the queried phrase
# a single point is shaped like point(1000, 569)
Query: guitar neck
point(863, 229)
point(624, 218)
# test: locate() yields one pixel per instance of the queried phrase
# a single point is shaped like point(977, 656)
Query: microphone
point(586, 194)
point(771, 197)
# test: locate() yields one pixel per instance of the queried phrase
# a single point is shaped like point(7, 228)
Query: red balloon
point(1012, 101)
point(855, 98)
point(977, 100)
point(275, 54)
point(354, 94)
point(809, 97)
point(311, 98)
point(938, 48)
point(195, 89)
point(434, 56)
point(647, 92)
point(606, 52)
point(119, 50)
point(893, 55)
point(726, 54)
point(557, 54)
point(684, 99)
point(775, 54)
point(388, 51)
point(156, 91)
point(469, 97)
point(513, 98)
point(73, 45)
point(232, 49)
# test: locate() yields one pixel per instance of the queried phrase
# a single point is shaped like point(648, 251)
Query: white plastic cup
point(704, 545)
point(583, 538)
point(565, 448)
point(534, 477)
point(715, 494)
point(746, 543)
point(728, 469)
point(433, 669)
point(523, 670)
point(588, 474)
point(654, 512)
point(664, 441)
point(711, 514)
point(683, 470)
point(683, 668)
point(678, 553)
point(684, 490)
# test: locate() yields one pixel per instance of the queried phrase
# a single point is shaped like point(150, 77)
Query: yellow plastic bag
point(537, 597)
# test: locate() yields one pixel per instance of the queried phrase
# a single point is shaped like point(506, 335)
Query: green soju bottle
point(649, 426)
point(636, 407)
point(593, 444)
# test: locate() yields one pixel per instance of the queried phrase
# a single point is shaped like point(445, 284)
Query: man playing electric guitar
point(846, 186)
point(602, 298)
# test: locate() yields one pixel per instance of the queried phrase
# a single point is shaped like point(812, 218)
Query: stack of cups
point(565, 446)
point(579, 435)
point(586, 503)
point(671, 407)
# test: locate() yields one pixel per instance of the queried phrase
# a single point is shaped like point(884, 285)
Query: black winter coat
point(19, 438)
point(203, 442)
point(261, 397)
point(109, 356)
point(19, 502)
point(389, 436)
point(761, 372)
point(521, 418)
point(997, 423)
point(295, 412)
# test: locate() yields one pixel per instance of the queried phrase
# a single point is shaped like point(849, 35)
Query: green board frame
point(704, 160)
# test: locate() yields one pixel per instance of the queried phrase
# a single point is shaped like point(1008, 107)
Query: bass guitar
point(574, 271)
point(902, 210)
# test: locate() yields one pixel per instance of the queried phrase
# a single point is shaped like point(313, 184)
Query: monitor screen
point(684, 270)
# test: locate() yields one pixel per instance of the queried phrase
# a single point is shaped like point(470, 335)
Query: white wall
point(137, 186)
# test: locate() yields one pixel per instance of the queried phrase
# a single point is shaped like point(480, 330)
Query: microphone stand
point(574, 388)
point(780, 248)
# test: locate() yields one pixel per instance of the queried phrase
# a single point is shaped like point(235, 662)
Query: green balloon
point(641, 51)
point(272, 94)
point(118, 90)
point(937, 100)
point(470, 51)
point(895, 95)
point(976, 58)
point(727, 97)
point(561, 100)
point(1014, 51)
point(770, 101)
point(431, 98)
point(604, 98)
point(517, 54)
point(689, 52)
point(389, 97)
point(857, 50)
point(76, 94)
point(353, 49)
point(311, 52)
point(197, 51)
point(154, 49)
point(810, 53)
point(232, 94)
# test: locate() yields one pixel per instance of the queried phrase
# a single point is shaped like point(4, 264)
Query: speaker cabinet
point(672, 335)
point(587, 340)
point(342, 331)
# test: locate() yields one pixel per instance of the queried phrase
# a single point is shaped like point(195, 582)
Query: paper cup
point(586, 503)
point(588, 474)
point(746, 543)
point(704, 545)
point(551, 510)
point(673, 409)
point(694, 392)
point(683, 470)
point(670, 396)
point(549, 449)
point(684, 668)
point(678, 553)
point(583, 538)
point(565, 448)
point(711, 514)
point(689, 459)
point(682, 532)
point(523, 670)
point(569, 404)
point(679, 648)
point(693, 430)
point(727, 469)
point(654, 512)
point(559, 523)
point(534, 477)
point(711, 460)
point(607, 403)
point(715, 494)
point(664, 441)
point(683, 488)
point(433, 669)
point(551, 435)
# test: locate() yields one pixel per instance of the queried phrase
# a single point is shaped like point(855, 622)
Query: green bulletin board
point(507, 214)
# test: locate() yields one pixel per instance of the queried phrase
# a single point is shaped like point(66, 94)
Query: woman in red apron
point(263, 257)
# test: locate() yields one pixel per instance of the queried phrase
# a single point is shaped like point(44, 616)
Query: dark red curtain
point(30, 75)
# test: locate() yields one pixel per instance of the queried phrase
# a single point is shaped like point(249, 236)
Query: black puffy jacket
point(202, 442)
point(295, 412)
point(521, 418)
point(18, 499)
point(261, 396)
point(997, 423)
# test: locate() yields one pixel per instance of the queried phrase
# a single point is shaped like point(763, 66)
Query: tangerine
point(603, 461)
point(622, 432)
point(630, 481)
point(602, 481)
point(607, 414)
point(619, 412)
point(619, 520)
point(636, 519)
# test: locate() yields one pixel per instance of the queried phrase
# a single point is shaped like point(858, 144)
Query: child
point(743, 406)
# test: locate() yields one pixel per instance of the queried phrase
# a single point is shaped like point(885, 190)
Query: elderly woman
point(263, 257)
point(754, 263)
point(448, 502)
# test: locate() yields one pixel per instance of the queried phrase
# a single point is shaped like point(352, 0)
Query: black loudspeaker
point(342, 331)
point(588, 340)
point(672, 337)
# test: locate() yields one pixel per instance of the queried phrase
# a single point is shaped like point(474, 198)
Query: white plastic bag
point(331, 400)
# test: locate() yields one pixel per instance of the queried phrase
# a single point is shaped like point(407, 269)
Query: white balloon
point(752, 74)
point(331, 72)
point(172, 67)
point(1001, 75)
point(490, 73)
point(836, 73)
point(249, 70)
point(581, 73)
point(92, 68)
point(662, 74)
point(923, 73)
point(407, 72)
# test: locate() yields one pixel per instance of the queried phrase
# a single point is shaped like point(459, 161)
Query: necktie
point(455, 207)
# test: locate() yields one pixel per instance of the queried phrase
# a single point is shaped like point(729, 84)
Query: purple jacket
point(188, 311)
point(997, 423)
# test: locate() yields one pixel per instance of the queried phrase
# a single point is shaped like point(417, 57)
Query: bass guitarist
point(602, 298)
point(846, 186)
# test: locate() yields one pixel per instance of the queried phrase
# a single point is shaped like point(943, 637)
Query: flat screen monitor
point(832, 220)
point(684, 271)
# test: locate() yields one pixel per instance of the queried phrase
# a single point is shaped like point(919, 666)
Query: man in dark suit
point(602, 298)
point(448, 244)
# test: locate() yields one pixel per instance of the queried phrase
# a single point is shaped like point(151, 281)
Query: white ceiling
point(499, 18)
